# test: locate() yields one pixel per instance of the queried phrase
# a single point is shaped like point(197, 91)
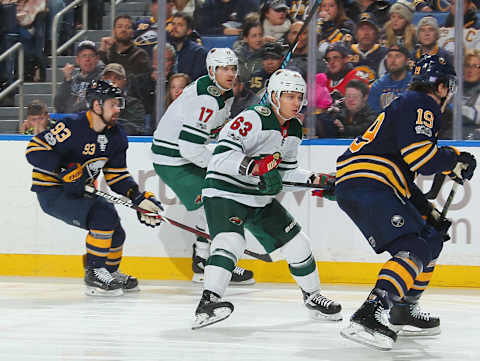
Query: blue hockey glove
point(73, 180)
point(147, 201)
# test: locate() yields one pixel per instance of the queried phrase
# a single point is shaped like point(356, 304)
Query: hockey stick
point(449, 200)
point(305, 185)
point(438, 180)
point(312, 12)
point(89, 190)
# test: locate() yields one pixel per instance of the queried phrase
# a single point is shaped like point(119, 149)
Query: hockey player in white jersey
point(180, 154)
point(256, 151)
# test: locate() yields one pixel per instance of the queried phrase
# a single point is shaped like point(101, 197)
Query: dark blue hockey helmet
point(102, 90)
point(433, 70)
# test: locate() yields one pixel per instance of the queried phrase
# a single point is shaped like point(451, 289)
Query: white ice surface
point(50, 319)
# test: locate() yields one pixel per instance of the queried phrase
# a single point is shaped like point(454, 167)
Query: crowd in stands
point(366, 49)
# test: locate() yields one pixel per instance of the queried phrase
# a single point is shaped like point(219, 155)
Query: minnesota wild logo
point(213, 90)
point(260, 109)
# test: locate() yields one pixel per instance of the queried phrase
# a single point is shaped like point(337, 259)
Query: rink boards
point(36, 244)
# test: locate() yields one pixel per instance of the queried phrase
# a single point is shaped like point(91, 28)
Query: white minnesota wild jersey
point(255, 132)
point(190, 122)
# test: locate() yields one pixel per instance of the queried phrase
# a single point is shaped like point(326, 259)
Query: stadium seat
point(224, 41)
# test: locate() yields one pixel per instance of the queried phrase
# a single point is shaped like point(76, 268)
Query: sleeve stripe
point(196, 129)
point(417, 154)
point(39, 141)
point(414, 146)
point(36, 149)
point(118, 179)
point(192, 138)
point(231, 143)
point(425, 159)
point(221, 149)
point(114, 170)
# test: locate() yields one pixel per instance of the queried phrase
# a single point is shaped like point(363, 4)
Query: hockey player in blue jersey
point(70, 156)
point(375, 187)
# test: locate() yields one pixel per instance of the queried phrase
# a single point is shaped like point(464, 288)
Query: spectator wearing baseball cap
point(367, 54)
point(132, 117)
point(399, 29)
point(70, 98)
point(272, 55)
point(394, 82)
point(275, 19)
point(339, 70)
point(428, 34)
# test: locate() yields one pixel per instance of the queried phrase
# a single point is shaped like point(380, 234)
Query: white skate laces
point(103, 275)
point(417, 312)
point(239, 271)
point(319, 299)
point(381, 315)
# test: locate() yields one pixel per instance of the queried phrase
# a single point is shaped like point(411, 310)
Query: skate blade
point(357, 333)
point(203, 320)
point(317, 315)
point(98, 292)
point(198, 278)
point(410, 331)
point(134, 289)
point(251, 281)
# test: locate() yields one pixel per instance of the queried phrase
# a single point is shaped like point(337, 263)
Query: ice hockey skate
point(240, 276)
point(408, 319)
point(321, 307)
point(210, 310)
point(369, 325)
point(99, 282)
point(129, 283)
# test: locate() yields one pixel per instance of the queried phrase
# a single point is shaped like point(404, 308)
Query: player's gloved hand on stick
point(147, 201)
point(266, 164)
point(326, 180)
point(441, 224)
point(73, 180)
point(271, 183)
point(463, 170)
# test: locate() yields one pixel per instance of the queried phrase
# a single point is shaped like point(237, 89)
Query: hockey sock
point(116, 250)
point(202, 247)
point(397, 276)
point(421, 283)
point(216, 279)
point(305, 274)
point(98, 245)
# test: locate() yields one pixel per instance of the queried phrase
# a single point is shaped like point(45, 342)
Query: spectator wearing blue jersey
point(471, 94)
point(394, 82)
point(190, 56)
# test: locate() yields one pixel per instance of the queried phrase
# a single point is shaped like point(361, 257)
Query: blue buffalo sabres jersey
point(73, 140)
point(400, 143)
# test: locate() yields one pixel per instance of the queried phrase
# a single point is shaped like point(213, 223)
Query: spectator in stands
point(394, 82)
point(334, 25)
point(70, 98)
point(399, 29)
point(176, 83)
point(339, 71)
point(469, 17)
point(274, 19)
point(146, 29)
point(37, 120)
point(348, 118)
point(142, 86)
point(190, 56)
point(471, 94)
point(243, 98)
point(222, 17)
point(272, 55)
point(299, 59)
point(120, 48)
point(248, 49)
point(132, 117)
point(428, 34)
point(379, 9)
point(31, 27)
point(8, 37)
point(367, 54)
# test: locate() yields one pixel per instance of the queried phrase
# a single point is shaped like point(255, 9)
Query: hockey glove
point(271, 183)
point(326, 180)
point(146, 201)
point(441, 224)
point(73, 180)
point(266, 164)
point(464, 168)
